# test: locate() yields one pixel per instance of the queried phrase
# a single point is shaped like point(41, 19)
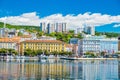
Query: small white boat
point(43, 57)
point(9, 58)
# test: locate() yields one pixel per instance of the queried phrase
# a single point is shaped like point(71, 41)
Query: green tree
point(39, 34)
point(90, 54)
point(46, 52)
point(28, 52)
point(10, 50)
point(71, 31)
point(97, 33)
point(80, 36)
point(14, 52)
point(20, 34)
point(102, 53)
point(39, 52)
point(3, 50)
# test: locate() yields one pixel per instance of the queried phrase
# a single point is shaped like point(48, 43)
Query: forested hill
point(17, 27)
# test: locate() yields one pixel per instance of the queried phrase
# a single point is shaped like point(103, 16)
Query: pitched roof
point(26, 36)
point(68, 45)
point(44, 41)
point(10, 39)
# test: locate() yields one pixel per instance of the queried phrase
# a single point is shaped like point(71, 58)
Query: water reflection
point(60, 69)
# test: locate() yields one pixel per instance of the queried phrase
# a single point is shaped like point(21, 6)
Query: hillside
point(17, 27)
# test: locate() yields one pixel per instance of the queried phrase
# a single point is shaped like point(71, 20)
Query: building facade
point(3, 32)
point(110, 46)
point(97, 44)
point(64, 27)
point(10, 43)
point(90, 30)
point(60, 27)
point(49, 45)
point(51, 28)
point(43, 26)
point(88, 45)
point(74, 41)
point(79, 30)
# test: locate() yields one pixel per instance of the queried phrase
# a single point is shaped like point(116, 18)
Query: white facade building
point(10, 43)
point(97, 44)
point(110, 46)
point(88, 45)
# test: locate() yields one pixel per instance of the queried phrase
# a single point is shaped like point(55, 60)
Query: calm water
point(61, 70)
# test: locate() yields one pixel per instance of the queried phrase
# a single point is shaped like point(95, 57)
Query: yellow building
point(49, 45)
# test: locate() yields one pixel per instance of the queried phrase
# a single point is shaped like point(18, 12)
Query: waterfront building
point(97, 44)
point(110, 46)
point(49, 45)
point(68, 48)
point(51, 28)
point(88, 45)
point(75, 49)
point(10, 43)
point(74, 41)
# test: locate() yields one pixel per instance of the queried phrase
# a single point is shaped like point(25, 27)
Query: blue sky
point(48, 7)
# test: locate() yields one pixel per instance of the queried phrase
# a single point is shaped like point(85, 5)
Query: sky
point(103, 14)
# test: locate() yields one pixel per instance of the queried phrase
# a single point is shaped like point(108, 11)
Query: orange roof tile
point(26, 36)
point(9, 39)
point(68, 45)
point(49, 41)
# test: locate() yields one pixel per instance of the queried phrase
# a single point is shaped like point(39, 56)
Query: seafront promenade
point(37, 58)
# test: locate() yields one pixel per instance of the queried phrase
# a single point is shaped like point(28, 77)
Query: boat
point(43, 57)
point(69, 58)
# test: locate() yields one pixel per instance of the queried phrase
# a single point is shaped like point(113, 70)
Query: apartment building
point(49, 45)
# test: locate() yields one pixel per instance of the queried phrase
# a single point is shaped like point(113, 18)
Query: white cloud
point(116, 25)
point(90, 19)
point(24, 19)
